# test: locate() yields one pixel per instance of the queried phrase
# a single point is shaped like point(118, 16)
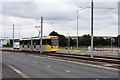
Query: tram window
point(33, 42)
point(34, 46)
point(44, 42)
point(55, 42)
point(25, 42)
point(36, 42)
point(21, 42)
point(48, 41)
point(29, 42)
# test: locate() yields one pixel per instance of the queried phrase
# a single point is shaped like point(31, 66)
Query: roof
point(94, 36)
point(4, 38)
point(37, 38)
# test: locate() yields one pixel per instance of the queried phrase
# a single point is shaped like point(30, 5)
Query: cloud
point(59, 15)
point(50, 10)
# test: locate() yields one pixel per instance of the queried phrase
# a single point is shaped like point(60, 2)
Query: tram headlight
point(51, 46)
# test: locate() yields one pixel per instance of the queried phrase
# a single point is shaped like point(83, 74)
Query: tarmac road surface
point(41, 67)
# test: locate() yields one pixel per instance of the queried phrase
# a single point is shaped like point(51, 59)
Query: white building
point(4, 40)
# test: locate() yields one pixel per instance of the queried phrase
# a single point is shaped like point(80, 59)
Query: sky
point(59, 16)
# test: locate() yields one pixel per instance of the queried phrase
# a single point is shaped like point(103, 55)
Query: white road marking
point(17, 53)
point(108, 64)
point(35, 62)
point(49, 56)
point(19, 72)
point(36, 56)
point(98, 66)
point(42, 57)
point(67, 71)
point(31, 55)
point(48, 65)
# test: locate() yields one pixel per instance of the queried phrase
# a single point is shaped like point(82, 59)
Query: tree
point(107, 41)
point(62, 40)
point(85, 40)
point(53, 33)
point(101, 41)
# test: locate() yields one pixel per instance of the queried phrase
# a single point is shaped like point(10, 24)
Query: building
point(4, 41)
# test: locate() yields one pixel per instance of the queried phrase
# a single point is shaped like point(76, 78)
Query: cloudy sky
point(59, 16)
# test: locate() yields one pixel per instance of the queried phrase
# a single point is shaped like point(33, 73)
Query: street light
point(78, 23)
point(91, 26)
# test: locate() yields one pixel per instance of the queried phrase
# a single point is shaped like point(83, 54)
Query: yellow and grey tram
point(49, 44)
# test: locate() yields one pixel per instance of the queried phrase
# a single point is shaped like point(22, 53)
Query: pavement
point(42, 67)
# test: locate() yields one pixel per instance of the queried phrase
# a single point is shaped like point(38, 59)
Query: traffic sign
point(1, 45)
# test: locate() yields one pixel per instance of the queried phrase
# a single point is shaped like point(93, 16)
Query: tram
point(49, 44)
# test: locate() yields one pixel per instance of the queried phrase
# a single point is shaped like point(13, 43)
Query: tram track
point(88, 58)
point(103, 59)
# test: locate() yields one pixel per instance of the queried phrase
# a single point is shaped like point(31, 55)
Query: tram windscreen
point(54, 42)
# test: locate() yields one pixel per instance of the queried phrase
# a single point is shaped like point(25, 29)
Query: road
point(42, 67)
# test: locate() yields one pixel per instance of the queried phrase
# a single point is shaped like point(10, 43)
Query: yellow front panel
point(49, 48)
point(49, 37)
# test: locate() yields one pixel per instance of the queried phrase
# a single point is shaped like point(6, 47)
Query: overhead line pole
point(19, 31)
point(111, 44)
point(68, 42)
point(92, 7)
point(118, 43)
point(41, 33)
point(13, 37)
point(91, 28)
point(77, 26)
point(5, 32)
